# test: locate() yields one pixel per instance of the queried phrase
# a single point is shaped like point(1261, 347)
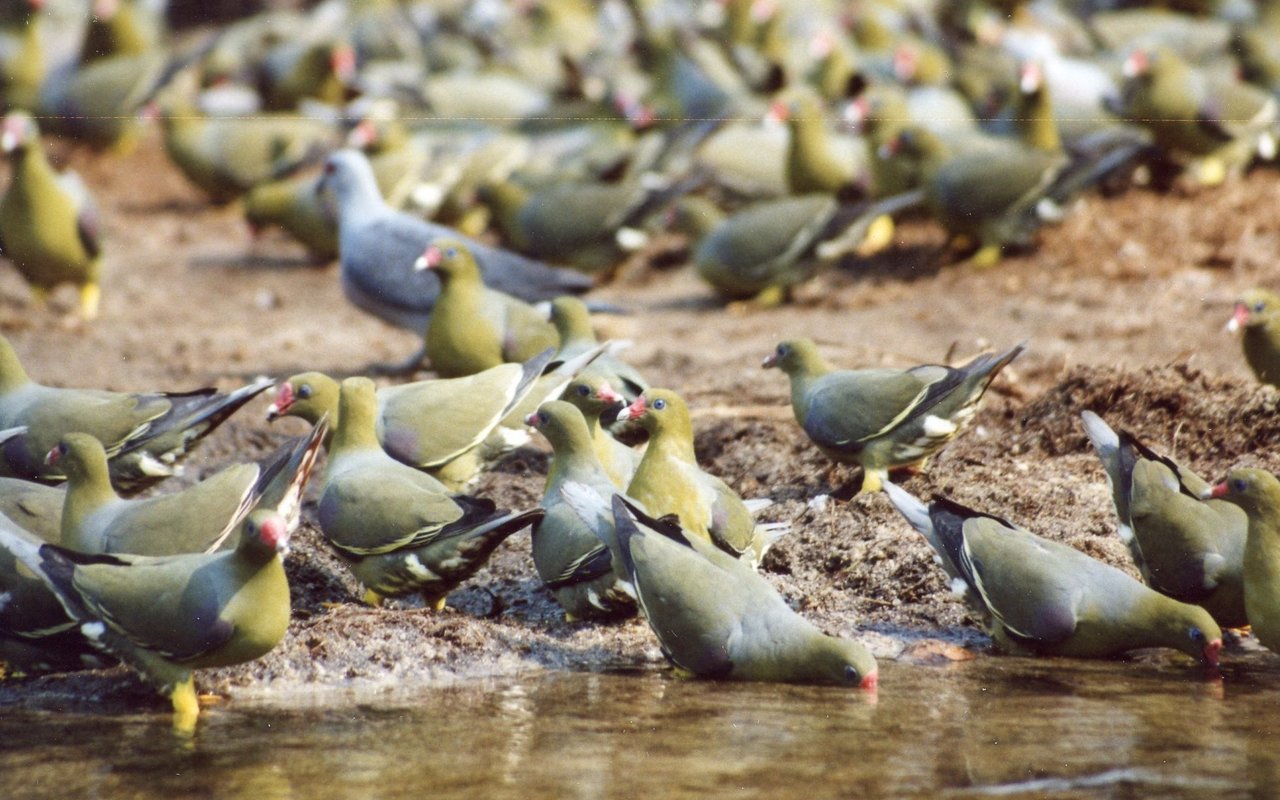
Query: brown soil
point(1123, 306)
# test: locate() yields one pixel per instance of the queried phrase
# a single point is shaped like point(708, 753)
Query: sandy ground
point(1123, 306)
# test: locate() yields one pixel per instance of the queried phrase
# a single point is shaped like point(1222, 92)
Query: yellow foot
point(683, 673)
point(771, 297)
point(878, 237)
point(372, 598)
point(569, 617)
point(186, 707)
point(872, 480)
point(90, 294)
point(1210, 171)
point(437, 604)
point(986, 257)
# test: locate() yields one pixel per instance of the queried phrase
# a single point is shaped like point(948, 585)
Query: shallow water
point(986, 727)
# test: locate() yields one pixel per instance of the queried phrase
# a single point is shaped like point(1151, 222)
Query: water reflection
point(993, 726)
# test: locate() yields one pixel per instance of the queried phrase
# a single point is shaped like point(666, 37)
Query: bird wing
point(87, 216)
point(367, 512)
point(845, 409)
point(1032, 587)
point(427, 423)
point(380, 262)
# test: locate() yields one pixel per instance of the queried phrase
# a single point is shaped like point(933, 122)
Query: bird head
point(17, 131)
point(1256, 491)
point(561, 423)
point(591, 395)
point(446, 257)
point(79, 456)
point(658, 410)
point(1253, 307)
point(342, 60)
point(793, 356)
point(266, 530)
point(309, 396)
point(1137, 63)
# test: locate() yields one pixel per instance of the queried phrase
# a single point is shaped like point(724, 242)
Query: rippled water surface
point(992, 726)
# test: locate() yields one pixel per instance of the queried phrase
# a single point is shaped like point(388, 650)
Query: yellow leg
point(683, 673)
point(372, 598)
point(872, 480)
point(986, 257)
point(878, 237)
point(90, 294)
point(186, 708)
point(1210, 171)
point(569, 617)
point(437, 604)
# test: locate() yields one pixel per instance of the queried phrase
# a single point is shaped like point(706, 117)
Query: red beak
point(343, 62)
point(430, 258)
point(1220, 490)
point(1239, 318)
point(778, 111)
point(871, 680)
point(770, 360)
point(531, 419)
point(633, 411)
point(606, 394)
point(274, 533)
point(284, 399)
point(1211, 651)
point(53, 455)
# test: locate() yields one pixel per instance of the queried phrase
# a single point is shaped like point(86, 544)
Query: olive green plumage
point(120, 28)
point(593, 396)
point(572, 321)
point(1185, 547)
point(473, 327)
point(48, 222)
point(1257, 311)
point(713, 615)
point(883, 419)
point(298, 70)
point(169, 615)
point(451, 428)
point(814, 164)
point(398, 529)
point(668, 480)
point(1258, 493)
point(571, 560)
point(293, 205)
point(145, 434)
point(1040, 596)
point(22, 57)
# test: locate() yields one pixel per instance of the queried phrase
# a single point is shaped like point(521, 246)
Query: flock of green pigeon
point(403, 138)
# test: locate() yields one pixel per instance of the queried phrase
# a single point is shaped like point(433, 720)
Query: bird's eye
point(584, 390)
point(452, 252)
point(1196, 634)
point(659, 404)
point(782, 349)
point(850, 673)
point(1239, 485)
point(542, 418)
point(304, 391)
point(62, 448)
point(1258, 306)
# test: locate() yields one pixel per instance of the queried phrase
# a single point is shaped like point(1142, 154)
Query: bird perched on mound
point(452, 428)
point(883, 419)
point(474, 327)
point(202, 518)
point(1258, 313)
point(668, 480)
point(1258, 493)
point(399, 530)
point(571, 560)
point(713, 615)
point(378, 247)
point(572, 321)
point(145, 434)
point(169, 615)
point(1040, 596)
point(593, 396)
point(48, 222)
point(1185, 547)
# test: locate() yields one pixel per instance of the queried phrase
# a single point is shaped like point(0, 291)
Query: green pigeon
point(227, 156)
point(1043, 597)
point(145, 434)
point(35, 633)
point(762, 251)
point(713, 615)
point(668, 480)
point(571, 560)
point(572, 321)
point(593, 397)
point(816, 164)
point(998, 196)
point(1258, 493)
point(103, 103)
point(293, 205)
point(169, 615)
point(1257, 312)
point(202, 518)
point(452, 428)
point(1185, 547)
point(22, 57)
point(398, 529)
point(1217, 122)
point(48, 222)
point(883, 419)
point(473, 327)
point(298, 70)
point(120, 28)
